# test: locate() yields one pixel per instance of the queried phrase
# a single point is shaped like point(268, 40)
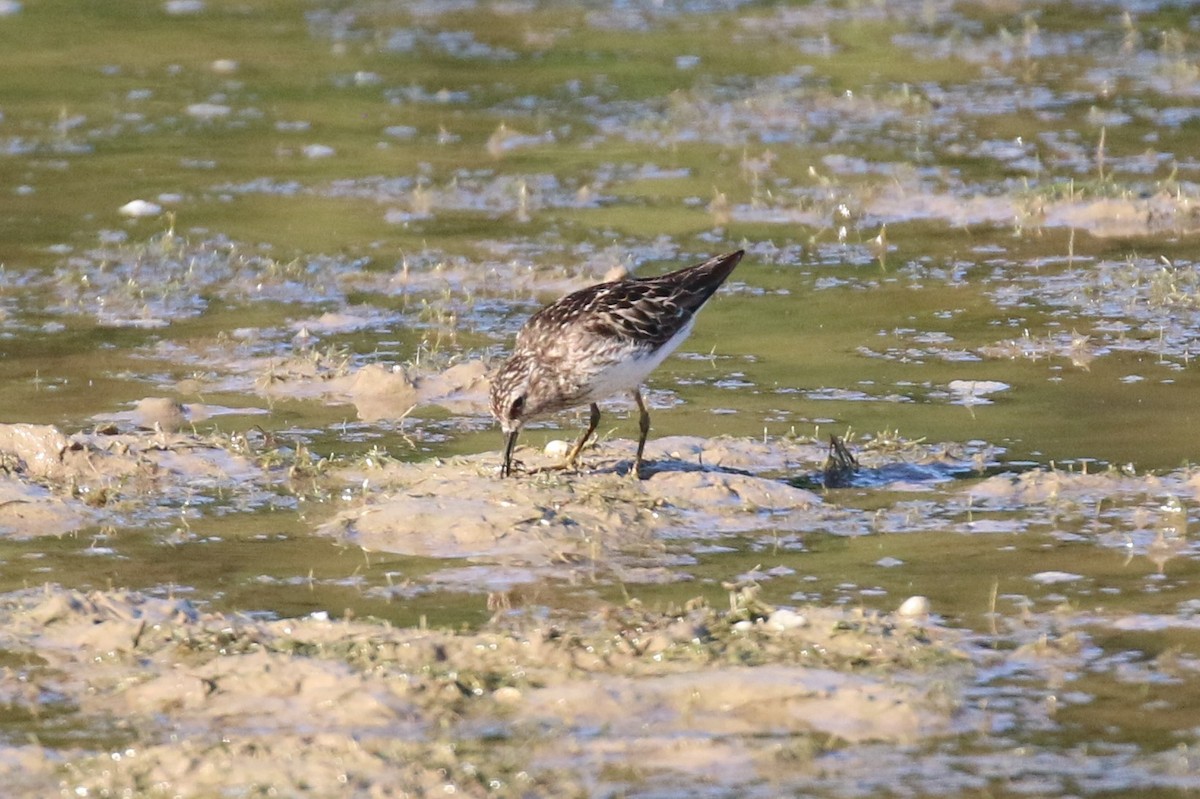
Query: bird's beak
point(509, 446)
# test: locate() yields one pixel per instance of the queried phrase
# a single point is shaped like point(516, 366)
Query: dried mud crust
point(190, 703)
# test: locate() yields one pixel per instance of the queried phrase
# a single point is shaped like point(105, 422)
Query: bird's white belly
point(629, 373)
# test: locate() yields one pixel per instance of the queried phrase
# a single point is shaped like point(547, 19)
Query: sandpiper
point(597, 342)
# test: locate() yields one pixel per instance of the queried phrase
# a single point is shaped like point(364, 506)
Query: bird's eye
point(518, 404)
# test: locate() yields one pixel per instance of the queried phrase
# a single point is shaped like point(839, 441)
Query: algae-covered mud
point(258, 261)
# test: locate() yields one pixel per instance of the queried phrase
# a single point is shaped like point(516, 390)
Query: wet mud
point(258, 260)
point(747, 698)
point(201, 701)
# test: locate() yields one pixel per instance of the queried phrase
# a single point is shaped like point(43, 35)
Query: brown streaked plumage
point(597, 342)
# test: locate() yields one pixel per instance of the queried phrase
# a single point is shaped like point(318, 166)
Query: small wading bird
point(597, 342)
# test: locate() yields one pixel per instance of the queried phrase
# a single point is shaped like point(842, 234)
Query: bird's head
point(510, 393)
point(510, 403)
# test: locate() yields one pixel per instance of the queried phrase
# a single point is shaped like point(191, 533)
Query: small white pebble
point(224, 66)
point(914, 607)
point(743, 626)
point(140, 208)
point(556, 448)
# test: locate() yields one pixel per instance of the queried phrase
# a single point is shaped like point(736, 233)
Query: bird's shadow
point(650, 468)
point(841, 469)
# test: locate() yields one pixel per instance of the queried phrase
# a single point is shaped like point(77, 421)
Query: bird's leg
point(509, 446)
point(643, 429)
point(593, 421)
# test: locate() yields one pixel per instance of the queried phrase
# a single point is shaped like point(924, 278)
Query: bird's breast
point(622, 366)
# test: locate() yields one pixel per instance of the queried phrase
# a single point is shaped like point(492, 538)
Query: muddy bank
point(596, 521)
point(133, 694)
point(154, 694)
point(183, 702)
point(601, 524)
point(54, 483)
point(601, 518)
point(693, 488)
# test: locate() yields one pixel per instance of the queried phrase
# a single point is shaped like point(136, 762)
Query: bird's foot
point(564, 466)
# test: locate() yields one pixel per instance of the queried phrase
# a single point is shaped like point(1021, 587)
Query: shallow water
point(965, 223)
